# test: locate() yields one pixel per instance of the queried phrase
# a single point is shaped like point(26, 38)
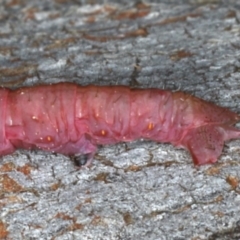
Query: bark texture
point(138, 190)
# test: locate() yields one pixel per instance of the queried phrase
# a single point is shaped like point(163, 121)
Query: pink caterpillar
point(73, 120)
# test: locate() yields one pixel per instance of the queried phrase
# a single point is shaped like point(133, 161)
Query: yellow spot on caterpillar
point(150, 126)
point(103, 132)
point(49, 138)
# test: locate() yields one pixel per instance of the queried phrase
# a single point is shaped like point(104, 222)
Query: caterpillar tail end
point(205, 143)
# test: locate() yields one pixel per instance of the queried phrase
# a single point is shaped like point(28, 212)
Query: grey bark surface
point(139, 190)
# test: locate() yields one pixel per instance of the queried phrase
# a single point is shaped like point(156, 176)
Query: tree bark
point(139, 190)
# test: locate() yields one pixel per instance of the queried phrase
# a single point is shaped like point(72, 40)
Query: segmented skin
point(73, 120)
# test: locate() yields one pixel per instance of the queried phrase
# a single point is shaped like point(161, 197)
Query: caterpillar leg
point(6, 148)
point(83, 160)
point(81, 152)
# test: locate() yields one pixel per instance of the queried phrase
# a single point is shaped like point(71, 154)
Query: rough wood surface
point(139, 190)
